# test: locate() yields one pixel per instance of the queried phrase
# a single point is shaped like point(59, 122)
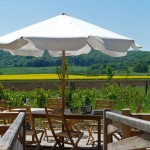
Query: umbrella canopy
point(65, 33)
point(61, 33)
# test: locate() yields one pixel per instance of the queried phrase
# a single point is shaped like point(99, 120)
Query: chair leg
point(90, 129)
point(45, 131)
point(53, 148)
point(41, 137)
point(57, 142)
point(38, 147)
point(45, 135)
point(76, 144)
point(38, 141)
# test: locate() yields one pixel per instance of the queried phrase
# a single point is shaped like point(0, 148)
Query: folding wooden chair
point(65, 136)
point(3, 104)
point(36, 134)
point(104, 104)
point(100, 105)
point(4, 123)
point(135, 132)
point(3, 107)
point(139, 108)
point(54, 104)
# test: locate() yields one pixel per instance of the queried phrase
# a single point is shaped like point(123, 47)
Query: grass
point(27, 70)
point(52, 70)
point(37, 70)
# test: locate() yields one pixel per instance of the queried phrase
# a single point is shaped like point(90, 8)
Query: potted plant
point(87, 108)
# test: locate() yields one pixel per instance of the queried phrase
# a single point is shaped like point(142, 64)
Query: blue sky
point(130, 18)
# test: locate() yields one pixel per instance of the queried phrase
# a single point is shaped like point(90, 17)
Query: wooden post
point(125, 128)
point(24, 133)
point(63, 81)
point(63, 89)
point(146, 87)
point(105, 134)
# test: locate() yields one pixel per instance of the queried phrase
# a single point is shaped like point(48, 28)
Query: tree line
point(95, 61)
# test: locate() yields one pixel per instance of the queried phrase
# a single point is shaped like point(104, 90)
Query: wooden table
point(40, 113)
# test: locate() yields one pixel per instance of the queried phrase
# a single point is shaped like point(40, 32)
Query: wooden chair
point(3, 104)
point(65, 136)
point(4, 123)
point(133, 131)
point(54, 104)
point(3, 107)
point(139, 108)
point(36, 134)
point(100, 105)
point(104, 104)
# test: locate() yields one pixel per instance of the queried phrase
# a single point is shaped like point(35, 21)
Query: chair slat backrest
point(27, 109)
point(65, 132)
point(14, 109)
point(5, 118)
point(54, 103)
point(1, 109)
point(3, 104)
point(53, 117)
point(30, 127)
point(17, 108)
point(139, 108)
point(104, 104)
point(56, 118)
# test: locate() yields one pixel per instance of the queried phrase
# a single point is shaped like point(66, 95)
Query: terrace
point(126, 132)
point(135, 132)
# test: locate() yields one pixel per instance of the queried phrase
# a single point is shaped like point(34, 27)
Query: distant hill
point(93, 58)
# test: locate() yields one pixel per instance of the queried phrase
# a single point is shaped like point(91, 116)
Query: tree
point(127, 71)
point(110, 72)
point(140, 67)
point(1, 92)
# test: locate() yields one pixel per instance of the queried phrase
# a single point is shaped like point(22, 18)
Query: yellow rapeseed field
point(55, 77)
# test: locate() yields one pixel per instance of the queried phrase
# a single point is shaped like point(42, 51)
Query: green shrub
point(1, 92)
point(40, 97)
point(79, 97)
point(124, 96)
point(14, 98)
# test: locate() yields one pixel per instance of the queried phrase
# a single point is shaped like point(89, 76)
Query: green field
point(37, 70)
point(52, 70)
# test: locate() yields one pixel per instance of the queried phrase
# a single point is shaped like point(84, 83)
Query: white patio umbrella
point(63, 36)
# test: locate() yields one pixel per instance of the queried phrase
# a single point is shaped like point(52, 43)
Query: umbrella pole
point(63, 81)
